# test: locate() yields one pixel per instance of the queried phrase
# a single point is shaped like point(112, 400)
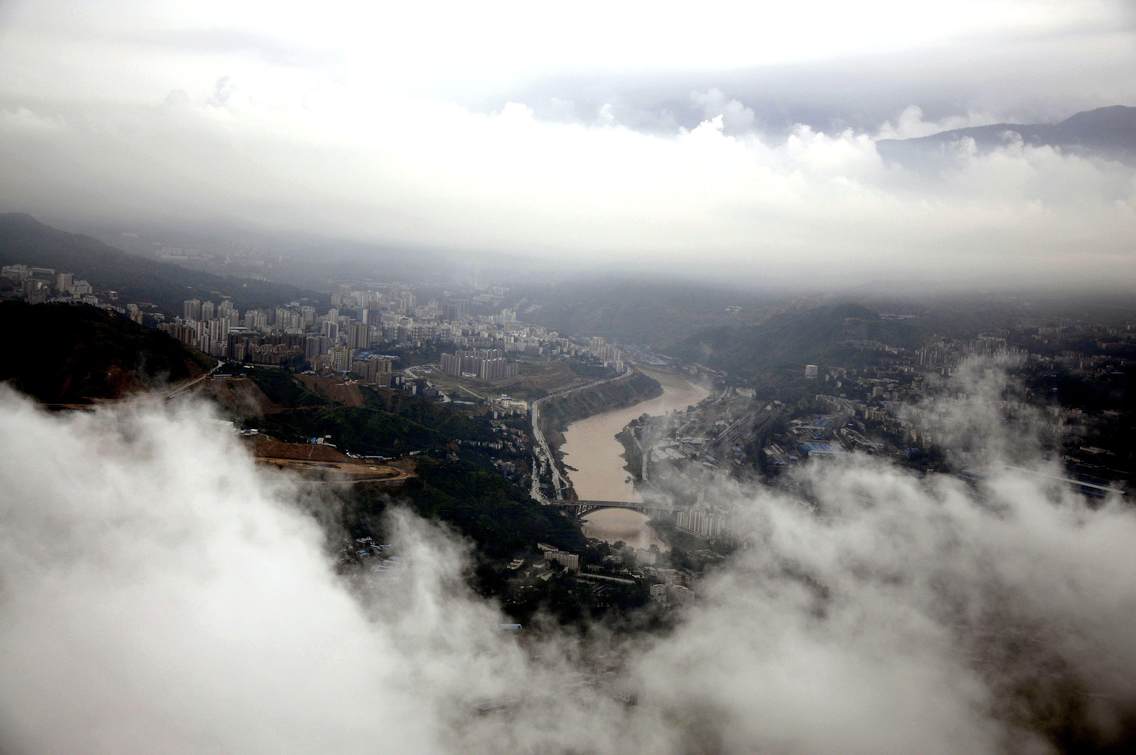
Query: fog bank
point(161, 592)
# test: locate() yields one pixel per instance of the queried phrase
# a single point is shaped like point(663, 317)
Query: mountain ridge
point(24, 239)
point(1108, 131)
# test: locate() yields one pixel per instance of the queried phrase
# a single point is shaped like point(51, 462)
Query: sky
point(888, 613)
point(735, 140)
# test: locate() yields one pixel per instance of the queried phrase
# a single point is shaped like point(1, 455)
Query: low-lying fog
point(160, 592)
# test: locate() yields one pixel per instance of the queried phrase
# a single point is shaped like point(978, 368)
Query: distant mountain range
point(1106, 131)
point(23, 239)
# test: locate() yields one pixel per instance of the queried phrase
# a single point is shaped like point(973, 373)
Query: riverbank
point(592, 452)
point(595, 461)
point(554, 414)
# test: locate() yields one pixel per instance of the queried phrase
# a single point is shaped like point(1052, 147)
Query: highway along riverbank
point(551, 415)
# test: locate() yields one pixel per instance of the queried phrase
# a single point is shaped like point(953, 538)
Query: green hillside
point(830, 333)
point(64, 353)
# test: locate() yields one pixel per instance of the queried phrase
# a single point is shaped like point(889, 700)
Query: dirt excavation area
point(334, 389)
point(325, 463)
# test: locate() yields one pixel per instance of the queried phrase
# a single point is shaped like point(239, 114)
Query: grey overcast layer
point(739, 135)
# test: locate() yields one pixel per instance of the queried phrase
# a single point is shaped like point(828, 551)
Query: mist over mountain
point(639, 309)
point(25, 240)
point(307, 261)
point(792, 338)
point(749, 162)
point(1108, 132)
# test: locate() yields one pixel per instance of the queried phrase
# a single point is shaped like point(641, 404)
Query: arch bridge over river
point(586, 506)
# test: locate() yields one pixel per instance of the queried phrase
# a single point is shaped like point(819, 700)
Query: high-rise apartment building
point(191, 310)
point(64, 282)
point(359, 336)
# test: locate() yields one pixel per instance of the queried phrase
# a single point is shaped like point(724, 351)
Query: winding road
point(542, 452)
point(186, 386)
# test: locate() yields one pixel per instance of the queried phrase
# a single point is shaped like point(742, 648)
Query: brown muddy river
point(596, 458)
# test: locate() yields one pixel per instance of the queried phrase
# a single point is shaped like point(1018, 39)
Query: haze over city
point(504, 377)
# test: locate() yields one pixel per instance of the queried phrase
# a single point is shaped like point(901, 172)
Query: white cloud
point(812, 207)
point(161, 592)
point(911, 124)
point(360, 135)
point(736, 117)
point(22, 122)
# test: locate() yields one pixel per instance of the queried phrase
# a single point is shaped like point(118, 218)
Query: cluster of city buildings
point(38, 285)
point(483, 336)
point(351, 334)
point(45, 285)
point(483, 364)
point(836, 409)
point(570, 561)
point(347, 335)
point(600, 350)
point(702, 522)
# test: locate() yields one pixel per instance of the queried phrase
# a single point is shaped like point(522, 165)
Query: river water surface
point(596, 461)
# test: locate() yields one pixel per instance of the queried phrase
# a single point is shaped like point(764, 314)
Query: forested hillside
point(64, 353)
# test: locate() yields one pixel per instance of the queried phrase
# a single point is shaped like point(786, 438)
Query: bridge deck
point(637, 505)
